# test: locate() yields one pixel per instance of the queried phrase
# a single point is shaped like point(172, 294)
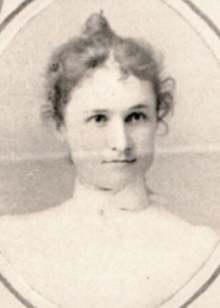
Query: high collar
point(134, 198)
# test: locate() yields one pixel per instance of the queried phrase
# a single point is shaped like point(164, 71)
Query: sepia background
point(35, 172)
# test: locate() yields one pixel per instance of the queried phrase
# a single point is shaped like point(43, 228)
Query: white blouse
point(79, 256)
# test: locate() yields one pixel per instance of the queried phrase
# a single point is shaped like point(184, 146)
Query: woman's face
point(110, 125)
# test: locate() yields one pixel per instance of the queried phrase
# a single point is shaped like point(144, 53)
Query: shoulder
point(195, 242)
point(32, 227)
point(37, 217)
point(183, 249)
point(182, 227)
point(202, 289)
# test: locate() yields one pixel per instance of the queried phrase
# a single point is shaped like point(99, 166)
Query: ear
point(60, 133)
point(162, 128)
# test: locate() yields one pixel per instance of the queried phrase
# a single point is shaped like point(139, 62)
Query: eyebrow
point(100, 110)
point(139, 106)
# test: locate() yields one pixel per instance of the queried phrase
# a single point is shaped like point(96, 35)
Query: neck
point(133, 197)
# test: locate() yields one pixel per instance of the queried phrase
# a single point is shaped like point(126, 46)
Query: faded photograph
point(109, 154)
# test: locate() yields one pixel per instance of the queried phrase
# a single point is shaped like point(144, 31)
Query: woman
point(112, 244)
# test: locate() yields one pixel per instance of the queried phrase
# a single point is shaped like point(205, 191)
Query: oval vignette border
point(190, 11)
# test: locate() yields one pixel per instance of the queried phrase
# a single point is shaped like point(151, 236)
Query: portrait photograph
point(109, 154)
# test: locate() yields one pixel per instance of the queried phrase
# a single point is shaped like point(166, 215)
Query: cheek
point(144, 139)
point(87, 144)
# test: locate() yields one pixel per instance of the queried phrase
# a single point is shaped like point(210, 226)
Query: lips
point(121, 161)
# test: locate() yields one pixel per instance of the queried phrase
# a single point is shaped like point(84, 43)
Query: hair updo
point(82, 55)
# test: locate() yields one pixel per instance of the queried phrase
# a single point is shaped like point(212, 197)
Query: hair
point(83, 55)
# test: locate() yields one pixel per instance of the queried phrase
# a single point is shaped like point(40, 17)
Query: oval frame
point(210, 35)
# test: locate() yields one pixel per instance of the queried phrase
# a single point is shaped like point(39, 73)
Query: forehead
point(107, 89)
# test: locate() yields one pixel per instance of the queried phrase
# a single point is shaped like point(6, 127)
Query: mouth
point(121, 161)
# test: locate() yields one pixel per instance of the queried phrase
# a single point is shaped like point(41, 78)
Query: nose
point(120, 140)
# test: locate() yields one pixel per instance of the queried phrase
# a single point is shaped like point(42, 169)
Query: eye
point(136, 117)
point(99, 118)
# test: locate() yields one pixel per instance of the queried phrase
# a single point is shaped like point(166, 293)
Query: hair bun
point(96, 24)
